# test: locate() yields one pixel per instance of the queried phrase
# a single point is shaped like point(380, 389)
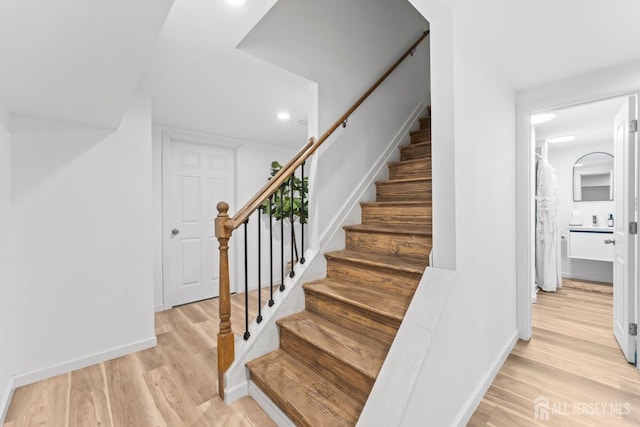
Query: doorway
point(196, 176)
point(582, 142)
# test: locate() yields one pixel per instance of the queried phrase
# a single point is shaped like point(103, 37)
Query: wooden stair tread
point(420, 132)
point(417, 229)
point(397, 181)
point(306, 397)
point(377, 260)
point(415, 145)
point(410, 161)
point(399, 203)
point(373, 300)
point(356, 350)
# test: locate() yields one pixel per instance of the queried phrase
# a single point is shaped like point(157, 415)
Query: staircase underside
point(330, 353)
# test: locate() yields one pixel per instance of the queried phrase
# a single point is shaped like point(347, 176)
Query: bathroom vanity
point(592, 243)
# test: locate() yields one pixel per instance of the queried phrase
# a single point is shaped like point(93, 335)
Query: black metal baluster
point(293, 235)
point(259, 318)
point(246, 285)
point(271, 248)
point(303, 220)
point(282, 238)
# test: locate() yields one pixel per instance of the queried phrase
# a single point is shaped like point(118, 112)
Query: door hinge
point(633, 228)
point(633, 329)
point(633, 126)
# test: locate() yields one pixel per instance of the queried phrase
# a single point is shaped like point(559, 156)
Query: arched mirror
point(593, 177)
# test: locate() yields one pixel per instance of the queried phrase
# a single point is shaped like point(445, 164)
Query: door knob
point(609, 242)
point(175, 231)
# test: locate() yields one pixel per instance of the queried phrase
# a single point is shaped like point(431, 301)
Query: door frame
point(169, 135)
point(554, 98)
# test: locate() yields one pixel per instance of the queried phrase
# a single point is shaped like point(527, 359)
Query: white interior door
point(199, 176)
point(624, 259)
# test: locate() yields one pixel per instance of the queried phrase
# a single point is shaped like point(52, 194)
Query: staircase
point(330, 353)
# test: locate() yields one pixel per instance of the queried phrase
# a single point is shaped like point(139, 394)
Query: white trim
point(525, 236)
point(158, 307)
point(467, 410)
point(236, 391)
point(579, 276)
point(353, 200)
point(168, 135)
point(6, 399)
point(269, 407)
point(83, 362)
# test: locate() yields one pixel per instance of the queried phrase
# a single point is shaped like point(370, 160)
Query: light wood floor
point(173, 384)
point(572, 360)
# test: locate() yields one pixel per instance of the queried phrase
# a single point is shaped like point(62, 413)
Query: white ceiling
point(81, 60)
point(199, 80)
point(75, 60)
point(536, 42)
point(592, 122)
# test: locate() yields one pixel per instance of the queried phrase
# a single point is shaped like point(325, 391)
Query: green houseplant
point(285, 205)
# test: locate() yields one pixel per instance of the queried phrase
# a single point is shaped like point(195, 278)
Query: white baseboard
point(6, 399)
point(587, 277)
point(470, 407)
point(72, 365)
point(158, 307)
point(235, 392)
point(269, 407)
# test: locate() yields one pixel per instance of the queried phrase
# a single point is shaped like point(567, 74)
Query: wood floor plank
point(131, 404)
point(88, 403)
point(247, 405)
point(173, 384)
point(572, 360)
point(40, 404)
point(170, 397)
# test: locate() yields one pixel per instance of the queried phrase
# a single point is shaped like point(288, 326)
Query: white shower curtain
point(548, 267)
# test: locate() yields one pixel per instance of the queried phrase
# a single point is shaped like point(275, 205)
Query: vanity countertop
point(590, 228)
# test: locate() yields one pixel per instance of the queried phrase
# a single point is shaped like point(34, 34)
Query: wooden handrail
point(310, 147)
point(224, 225)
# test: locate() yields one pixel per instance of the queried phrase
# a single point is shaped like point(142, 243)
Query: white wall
point(345, 59)
point(81, 241)
point(478, 326)
point(253, 166)
point(8, 325)
point(562, 157)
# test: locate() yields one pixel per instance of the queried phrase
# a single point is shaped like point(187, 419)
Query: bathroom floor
point(605, 288)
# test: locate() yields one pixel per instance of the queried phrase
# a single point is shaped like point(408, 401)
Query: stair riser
point(412, 151)
point(377, 327)
point(353, 382)
point(409, 215)
point(404, 245)
point(425, 123)
point(421, 137)
point(410, 170)
point(403, 191)
point(400, 282)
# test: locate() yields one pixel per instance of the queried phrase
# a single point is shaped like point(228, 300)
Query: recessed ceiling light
point(541, 118)
point(283, 115)
point(564, 138)
point(236, 2)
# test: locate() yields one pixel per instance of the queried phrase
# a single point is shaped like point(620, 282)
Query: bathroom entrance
point(583, 198)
